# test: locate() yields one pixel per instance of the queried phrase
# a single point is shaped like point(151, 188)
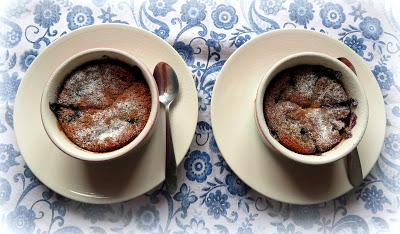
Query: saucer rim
point(266, 36)
point(190, 92)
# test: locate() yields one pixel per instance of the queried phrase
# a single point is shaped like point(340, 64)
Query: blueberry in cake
point(103, 105)
point(307, 109)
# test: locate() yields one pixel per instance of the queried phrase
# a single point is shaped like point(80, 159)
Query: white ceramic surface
point(353, 88)
point(124, 178)
point(232, 116)
point(50, 94)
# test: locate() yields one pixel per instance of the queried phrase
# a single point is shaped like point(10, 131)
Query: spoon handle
point(170, 163)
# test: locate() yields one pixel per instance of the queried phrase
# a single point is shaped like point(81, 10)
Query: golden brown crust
point(306, 109)
point(103, 105)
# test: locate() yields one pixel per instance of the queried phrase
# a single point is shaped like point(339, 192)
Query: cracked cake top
point(103, 105)
point(307, 109)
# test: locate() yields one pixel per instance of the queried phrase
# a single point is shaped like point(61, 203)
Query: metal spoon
point(168, 87)
point(353, 163)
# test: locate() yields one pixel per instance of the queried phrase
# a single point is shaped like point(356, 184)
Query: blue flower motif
point(301, 12)
point(12, 36)
point(383, 76)
point(371, 28)
point(240, 40)
point(147, 217)
point(28, 173)
point(213, 145)
point(21, 220)
point(332, 15)
point(2, 128)
point(198, 68)
point(217, 204)
point(161, 7)
point(214, 44)
point(271, 7)
point(95, 212)
point(60, 205)
point(76, 230)
point(27, 58)
point(356, 44)
point(222, 164)
point(195, 226)
point(215, 39)
point(198, 166)
point(396, 111)
point(342, 200)
point(185, 51)
point(5, 191)
point(186, 197)
point(7, 157)
point(392, 145)
point(162, 32)
point(47, 13)
point(193, 12)
point(374, 199)
point(17, 8)
point(99, 3)
point(357, 12)
point(106, 15)
point(236, 185)
point(204, 99)
point(291, 229)
point(8, 87)
point(79, 16)
point(203, 128)
point(224, 16)
point(244, 230)
point(305, 216)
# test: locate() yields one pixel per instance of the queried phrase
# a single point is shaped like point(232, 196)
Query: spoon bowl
point(168, 88)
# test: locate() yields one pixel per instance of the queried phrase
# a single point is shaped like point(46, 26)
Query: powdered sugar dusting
point(305, 82)
point(104, 106)
point(316, 117)
point(114, 130)
point(307, 111)
point(106, 124)
point(323, 131)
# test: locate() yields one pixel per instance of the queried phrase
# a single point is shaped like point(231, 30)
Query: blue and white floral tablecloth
point(210, 199)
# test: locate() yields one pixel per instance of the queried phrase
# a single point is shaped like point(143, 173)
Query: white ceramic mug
point(50, 93)
point(352, 87)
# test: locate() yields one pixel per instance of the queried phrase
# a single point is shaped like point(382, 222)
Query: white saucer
point(234, 127)
point(117, 180)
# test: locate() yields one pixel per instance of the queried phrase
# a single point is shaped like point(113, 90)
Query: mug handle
point(347, 63)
